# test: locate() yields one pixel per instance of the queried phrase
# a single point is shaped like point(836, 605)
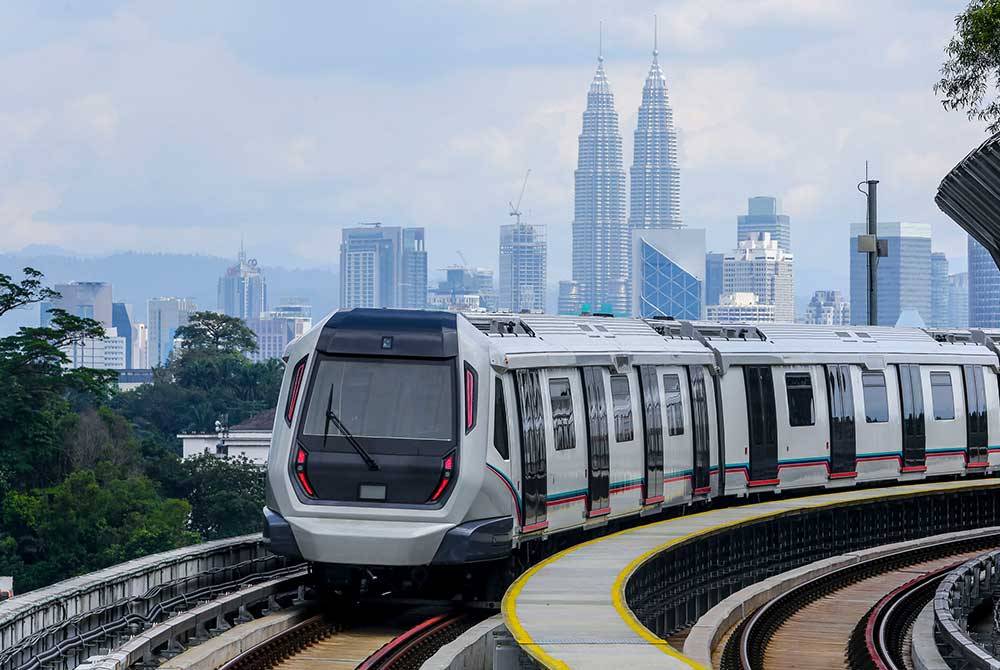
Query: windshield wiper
point(332, 416)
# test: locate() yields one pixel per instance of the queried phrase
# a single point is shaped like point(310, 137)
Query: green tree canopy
point(211, 332)
point(971, 74)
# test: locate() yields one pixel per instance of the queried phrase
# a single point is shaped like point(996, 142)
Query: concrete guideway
point(570, 611)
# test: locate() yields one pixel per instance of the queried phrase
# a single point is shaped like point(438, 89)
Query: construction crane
point(465, 261)
point(515, 210)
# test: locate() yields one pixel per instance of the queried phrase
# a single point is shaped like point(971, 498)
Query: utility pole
point(872, 246)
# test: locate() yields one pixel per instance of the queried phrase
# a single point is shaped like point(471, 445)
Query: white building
point(165, 316)
point(761, 267)
point(741, 308)
point(828, 308)
point(140, 347)
point(250, 439)
point(99, 353)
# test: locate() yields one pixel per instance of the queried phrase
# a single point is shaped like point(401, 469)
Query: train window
point(562, 414)
point(941, 396)
point(800, 399)
point(876, 399)
point(673, 404)
point(500, 441)
point(621, 396)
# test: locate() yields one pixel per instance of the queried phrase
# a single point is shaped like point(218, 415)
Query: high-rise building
point(100, 353)
point(523, 262)
point(939, 290)
point(383, 266)
point(165, 316)
point(121, 320)
point(140, 347)
point(87, 299)
point(713, 277)
point(600, 230)
point(761, 267)
point(984, 288)
point(668, 266)
point(465, 289)
point(655, 178)
point(413, 282)
point(958, 300)
point(762, 217)
point(570, 302)
point(243, 289)
point(741, 308)
point(904, 276)
point(828, 308)
point(276, 328)
point(298, 311)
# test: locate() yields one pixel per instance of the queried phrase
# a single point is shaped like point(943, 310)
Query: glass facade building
point(523, 261)
point(904, 276)
point(713, 277)
point(669, 273)
point(762, 217)
point(984, 288)
point(243, 289)
point(939, 291)
point(383, 266)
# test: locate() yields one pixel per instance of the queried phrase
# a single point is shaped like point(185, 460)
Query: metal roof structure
point(970, 195)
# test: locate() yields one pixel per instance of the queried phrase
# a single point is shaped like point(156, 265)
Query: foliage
point(226, 495)
point(971, 73)
point(213, 332)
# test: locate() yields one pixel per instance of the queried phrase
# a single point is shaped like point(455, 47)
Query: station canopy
point(970, 194)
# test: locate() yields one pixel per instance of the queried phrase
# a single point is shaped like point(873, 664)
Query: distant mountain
point(137, 277)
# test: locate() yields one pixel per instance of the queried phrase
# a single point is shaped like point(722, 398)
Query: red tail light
point(293, 393)
point(447, 467)
point(300, 472)
point(470, 397)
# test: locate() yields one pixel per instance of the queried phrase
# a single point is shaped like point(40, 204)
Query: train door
point(534, 475)
point(762, 423)
point(911, 393)
point(598, 458)
point(700, 481)
point(652, 422)
point(843, 432)
point(976, 425)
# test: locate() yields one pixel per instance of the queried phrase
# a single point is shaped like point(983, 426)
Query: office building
point(600, 230)
point(140, 347)
point(87, 299)
point(762, 217)
point(713, 277)
point(165, 316)
point(759, 266)
point(958, 300)
point(92, 300)
point(523, 262)
point(298, 311)
point(464, 289)
point(570, 303)
point(273, 335)
point(383, 266)
point(741, 308)
point(121, 320)
point(984, 288)
point(99, 353)
point(939, 290)
point(904, 276)
point(828, 308)
point(243, 289)
point(668, 266)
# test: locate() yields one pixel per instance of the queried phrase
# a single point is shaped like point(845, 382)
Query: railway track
point(816, 625)
point(401, 640)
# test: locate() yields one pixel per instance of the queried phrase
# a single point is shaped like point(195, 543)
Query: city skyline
point(793, 134)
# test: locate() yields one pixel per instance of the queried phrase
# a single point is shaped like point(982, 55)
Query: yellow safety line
point(535, 650)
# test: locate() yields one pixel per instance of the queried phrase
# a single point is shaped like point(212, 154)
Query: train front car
point(377, 460)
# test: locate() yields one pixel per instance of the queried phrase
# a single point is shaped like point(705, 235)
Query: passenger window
point(621, 397)
point(562, 414)
point(876, 399)
point(500, 441)
point(800, 399)
point(941, 396)
point(672, 403)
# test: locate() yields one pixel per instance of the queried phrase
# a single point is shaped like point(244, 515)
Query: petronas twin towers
point(601, 231)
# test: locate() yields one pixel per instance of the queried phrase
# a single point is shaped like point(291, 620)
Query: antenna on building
point(376, 224)
point(515, 210)
point(655, 35)
point(600, 41)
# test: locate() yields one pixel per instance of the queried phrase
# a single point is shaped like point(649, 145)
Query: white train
point(408, 439)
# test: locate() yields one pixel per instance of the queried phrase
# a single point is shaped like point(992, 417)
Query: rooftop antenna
point(600, 42)
point(656, 25)
point(872, 246)
point(515, 210)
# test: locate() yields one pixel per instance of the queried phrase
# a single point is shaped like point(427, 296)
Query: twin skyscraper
point(602, 231)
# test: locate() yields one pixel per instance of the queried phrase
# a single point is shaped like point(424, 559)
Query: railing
point(61, 625)
point(965, 591)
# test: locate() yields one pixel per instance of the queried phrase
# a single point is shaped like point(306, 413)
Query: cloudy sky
point(181, 126)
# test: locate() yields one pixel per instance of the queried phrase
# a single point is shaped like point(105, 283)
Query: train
point(413, 448)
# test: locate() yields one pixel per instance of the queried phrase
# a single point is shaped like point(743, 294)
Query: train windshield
point(383, 398)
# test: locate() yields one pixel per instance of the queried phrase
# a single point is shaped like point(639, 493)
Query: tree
point(971, 73)
point(226, 495)
point(210, 332)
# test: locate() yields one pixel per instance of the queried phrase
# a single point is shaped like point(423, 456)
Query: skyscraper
point(984, 288)
point(165, 316)
point(243, 289)
point(523, 262)
point(762, 217)
point(904, 276)
point(668, 265)
point(828, 308)
point(87, 299)
point(939, 290)
point(713, 277)
point(569, 298)
point(383, 266)
point(121, 319)
point(465, 288)
point(958, 300)
point(600, 230)
point(761, 267)
point(655, 178)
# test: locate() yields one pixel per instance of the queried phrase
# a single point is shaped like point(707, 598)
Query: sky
point(183, 126)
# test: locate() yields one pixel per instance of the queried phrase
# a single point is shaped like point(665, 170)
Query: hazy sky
point(179, 126)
